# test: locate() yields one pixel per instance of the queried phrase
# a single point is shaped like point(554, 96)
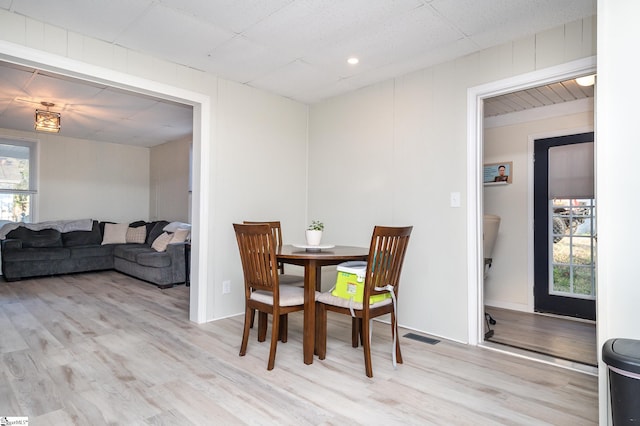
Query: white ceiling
point(88, 110)
point(297, 48)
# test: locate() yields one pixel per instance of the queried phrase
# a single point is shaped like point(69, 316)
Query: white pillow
point(180, 236)
point(115, 233)
point(137, 235)
point(174, 226)
point(160, 243)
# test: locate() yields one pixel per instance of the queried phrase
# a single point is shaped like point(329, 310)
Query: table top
point(288, 251)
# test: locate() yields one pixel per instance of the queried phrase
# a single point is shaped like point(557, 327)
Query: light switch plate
point(455, 199)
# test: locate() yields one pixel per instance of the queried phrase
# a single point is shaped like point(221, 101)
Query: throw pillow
point(82, 238)
point(115, 233)
point(154, 230)
point(174, 226)
point(36, 239)
point(137, 235)
point(180, 236)
point(160, 243)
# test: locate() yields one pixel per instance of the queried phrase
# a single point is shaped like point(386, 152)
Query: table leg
point(310, 272)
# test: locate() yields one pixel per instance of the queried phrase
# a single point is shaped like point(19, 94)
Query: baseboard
point(507, 305)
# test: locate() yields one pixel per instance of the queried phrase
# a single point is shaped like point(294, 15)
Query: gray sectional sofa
point(34, 253)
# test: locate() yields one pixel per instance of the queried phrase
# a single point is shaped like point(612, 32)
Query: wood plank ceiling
point(535, 97)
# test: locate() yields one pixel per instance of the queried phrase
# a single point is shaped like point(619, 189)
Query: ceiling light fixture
point(47, 121)
point(353, 60)
point(587, 80)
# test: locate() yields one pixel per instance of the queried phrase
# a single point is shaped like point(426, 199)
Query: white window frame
point(33, 172)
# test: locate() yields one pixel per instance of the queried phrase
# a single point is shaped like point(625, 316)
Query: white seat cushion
point(289, 296)
point(330, 299)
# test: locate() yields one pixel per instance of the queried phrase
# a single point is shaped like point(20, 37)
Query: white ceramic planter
point(313, 237)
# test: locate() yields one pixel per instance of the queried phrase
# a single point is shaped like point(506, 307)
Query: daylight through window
point(17, 180)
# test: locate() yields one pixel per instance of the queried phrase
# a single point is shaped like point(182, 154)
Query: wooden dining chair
point(382, 275)
point(261, 285)
point(276, 229)
point(288, 279)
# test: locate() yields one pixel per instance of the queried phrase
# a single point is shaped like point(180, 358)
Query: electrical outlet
point(226, 287)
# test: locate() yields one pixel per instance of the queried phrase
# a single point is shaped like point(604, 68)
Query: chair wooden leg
point(321, 331)
point(245, 333)
point(355, 332)
point(253, 316)
point(364, 326)
point(262, 326)
point(394, 332)
point(275, 326)
point(282, 331)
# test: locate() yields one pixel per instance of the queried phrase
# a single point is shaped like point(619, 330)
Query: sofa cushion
point(36, 254)
point(154, 230)
point(36, 239)
point(130, 252)
point(154, 259)
point(92, 251)
point(174, 226)
point(115, 233)
point(137, 235)
point(137, 223)
point(180, 236)
point(160, 243)
point(82, 238)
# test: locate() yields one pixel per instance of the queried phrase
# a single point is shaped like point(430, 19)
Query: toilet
point(491, 224)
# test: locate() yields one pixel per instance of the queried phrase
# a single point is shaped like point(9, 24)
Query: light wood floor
point(563, 338)
point(103, 348)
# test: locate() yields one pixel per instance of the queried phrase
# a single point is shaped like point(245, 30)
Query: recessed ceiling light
point(353, 60)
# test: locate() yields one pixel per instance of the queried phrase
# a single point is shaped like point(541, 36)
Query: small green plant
point(316, 225)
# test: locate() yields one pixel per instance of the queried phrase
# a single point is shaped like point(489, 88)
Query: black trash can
point(623, 358)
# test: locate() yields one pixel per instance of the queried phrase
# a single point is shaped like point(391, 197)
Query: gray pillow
point(83, 238)
point(36, 239)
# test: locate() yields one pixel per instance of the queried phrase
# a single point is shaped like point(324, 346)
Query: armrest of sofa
point(177, 253)
point(11, 244)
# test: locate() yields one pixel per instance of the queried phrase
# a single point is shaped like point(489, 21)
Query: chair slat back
point(258, 255)
point(276, 229)
point(386, 257)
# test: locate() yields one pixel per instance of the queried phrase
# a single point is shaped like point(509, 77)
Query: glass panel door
point(564, 234)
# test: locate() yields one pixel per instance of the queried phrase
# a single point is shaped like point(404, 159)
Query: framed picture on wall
point(498, 173)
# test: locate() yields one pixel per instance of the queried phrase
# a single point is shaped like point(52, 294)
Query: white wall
point(509, 283)
point(79, 178)
point(169, 181)
point(261, 175)
point(617, 159)
point(392, 153)
point(255, 146)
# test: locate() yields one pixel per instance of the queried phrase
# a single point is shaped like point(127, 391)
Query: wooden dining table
point(313, 261)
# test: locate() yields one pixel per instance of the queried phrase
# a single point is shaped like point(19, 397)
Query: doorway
point(476, 97)
point(564, 267)
point(199, 292)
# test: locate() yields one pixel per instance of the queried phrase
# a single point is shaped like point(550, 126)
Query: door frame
point(475, 98)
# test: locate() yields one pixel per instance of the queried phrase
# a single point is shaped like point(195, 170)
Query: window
point(574, 240)
point(17, 179)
